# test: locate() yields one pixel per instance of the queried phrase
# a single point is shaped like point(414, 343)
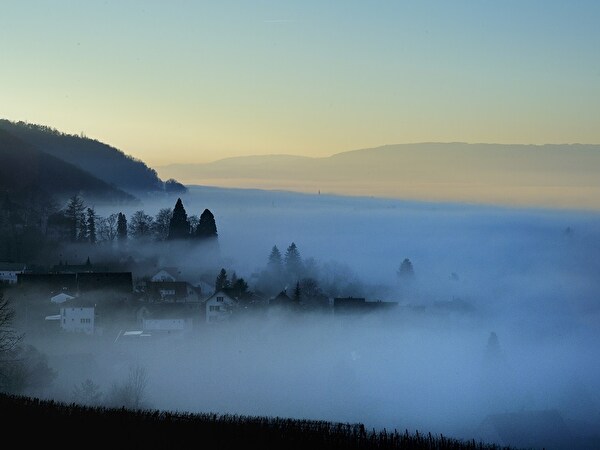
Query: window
point(220, 299)
point(164, 292)
point(214, 308)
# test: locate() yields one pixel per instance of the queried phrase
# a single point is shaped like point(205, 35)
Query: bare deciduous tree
point(8, 336)
point(131, 393)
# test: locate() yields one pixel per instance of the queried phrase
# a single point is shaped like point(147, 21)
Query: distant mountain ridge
point(561, 175)
point(101, 160)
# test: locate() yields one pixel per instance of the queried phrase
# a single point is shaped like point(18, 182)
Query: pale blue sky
point(197, 81)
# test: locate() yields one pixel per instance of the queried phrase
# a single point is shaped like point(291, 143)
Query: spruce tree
point(222, 282)
point(207, 228)
point(121, 227)
point(74, 211)
point(179, 227)
point(275, 264)
point(406, 270)
point(91, 225)
point(293, 261)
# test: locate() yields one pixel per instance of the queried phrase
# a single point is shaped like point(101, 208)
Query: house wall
point(77, 319)
point(9, 276)
point(166, 324)
point(218, 308)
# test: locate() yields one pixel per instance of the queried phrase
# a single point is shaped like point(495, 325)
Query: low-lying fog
point(532, 277)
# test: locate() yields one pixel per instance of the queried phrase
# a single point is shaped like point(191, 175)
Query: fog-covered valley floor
point(528, 277)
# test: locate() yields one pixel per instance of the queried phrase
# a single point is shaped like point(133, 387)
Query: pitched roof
point(172, 271)
point(221, 293)
point(60, 298)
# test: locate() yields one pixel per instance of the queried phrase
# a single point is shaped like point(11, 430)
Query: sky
point(177, 82)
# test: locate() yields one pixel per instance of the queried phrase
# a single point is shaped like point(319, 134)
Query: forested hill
point(103, 161)
point(26, 171)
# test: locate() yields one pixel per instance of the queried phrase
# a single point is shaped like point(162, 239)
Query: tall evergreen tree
point(275, 263)
point(207, 227)
point(74, 211)
point(222, 282)
point(91, 225)
point(121, 227)
point(179, 227)
point(293, 261)
point(406, 270)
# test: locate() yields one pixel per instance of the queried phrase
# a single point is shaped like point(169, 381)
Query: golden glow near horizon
point(199, 82)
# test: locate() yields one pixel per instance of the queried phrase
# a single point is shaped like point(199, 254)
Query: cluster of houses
point(90, 300)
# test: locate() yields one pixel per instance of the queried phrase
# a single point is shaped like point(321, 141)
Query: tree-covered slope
point(103, 161)
point(25, 170)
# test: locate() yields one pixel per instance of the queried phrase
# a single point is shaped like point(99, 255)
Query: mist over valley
point(500, 315)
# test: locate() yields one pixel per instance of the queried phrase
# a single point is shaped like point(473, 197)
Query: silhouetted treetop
point(406, 269)
point(207, 227)
point(275, 261)
point(121, 227)
point(222, 281)
point(179, 227)
point(293, 261)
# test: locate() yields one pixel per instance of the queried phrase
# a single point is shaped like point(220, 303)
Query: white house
point(61, 298)
point(219, 307)
point(9, 271)
point(77, 319)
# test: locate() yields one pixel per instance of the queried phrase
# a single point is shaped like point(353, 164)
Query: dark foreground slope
point(151, 428)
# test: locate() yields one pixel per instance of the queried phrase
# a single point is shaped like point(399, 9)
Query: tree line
point(86, 226)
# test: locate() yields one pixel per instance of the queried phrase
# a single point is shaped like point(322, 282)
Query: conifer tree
point(275, 263)
point(91, 225)
point(179, 227)
point(222, 282)
point(406, 269)
point(74, 212)
point(207, 228)
point(121, 227)
point(293, 261)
